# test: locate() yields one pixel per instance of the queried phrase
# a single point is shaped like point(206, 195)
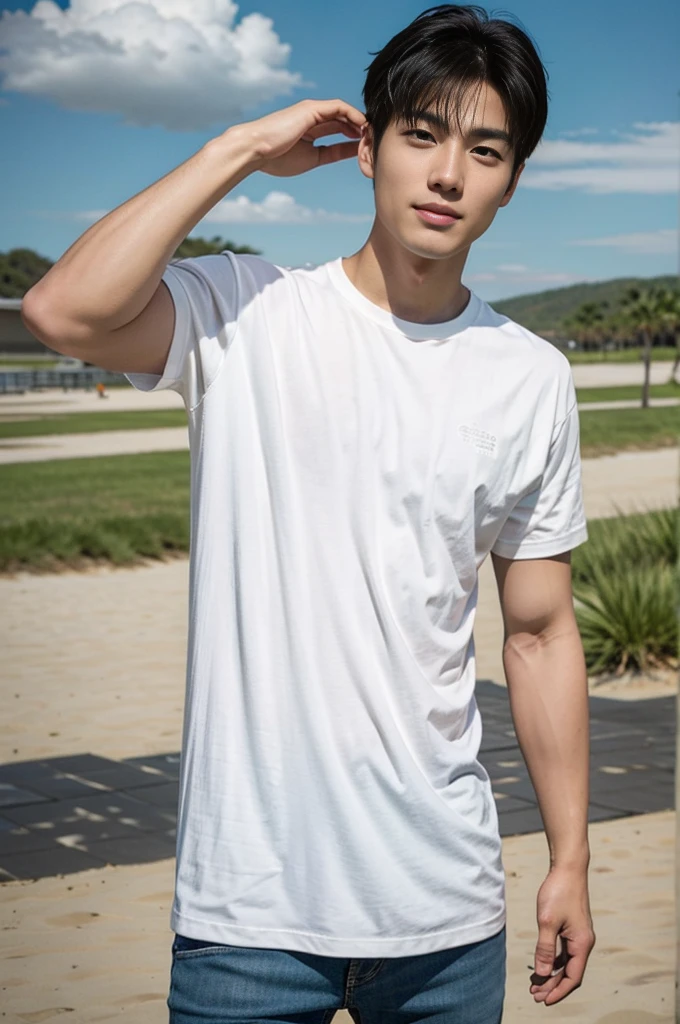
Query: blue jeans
point(218, 984)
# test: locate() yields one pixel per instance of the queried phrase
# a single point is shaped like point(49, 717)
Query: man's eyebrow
point(490, 133)
point(478, 132)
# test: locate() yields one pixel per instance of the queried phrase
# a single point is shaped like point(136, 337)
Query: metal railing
point(20, 381)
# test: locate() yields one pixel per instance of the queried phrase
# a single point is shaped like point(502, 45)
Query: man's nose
point(447, 170)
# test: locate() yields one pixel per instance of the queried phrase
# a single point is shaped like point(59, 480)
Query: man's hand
point(563, 911)
point(284, 141)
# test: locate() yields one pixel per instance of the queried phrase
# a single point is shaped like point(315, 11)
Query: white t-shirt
point(350, 473)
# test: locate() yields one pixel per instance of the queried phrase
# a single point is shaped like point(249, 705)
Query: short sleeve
point(205, 294)
point(551, 518)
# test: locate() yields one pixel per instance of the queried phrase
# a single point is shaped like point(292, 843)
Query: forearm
point(548, 691)
point(110, 273)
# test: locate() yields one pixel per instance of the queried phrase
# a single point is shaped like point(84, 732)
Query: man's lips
point(434, 213)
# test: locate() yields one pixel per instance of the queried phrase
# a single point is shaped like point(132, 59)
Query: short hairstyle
point(445, 55)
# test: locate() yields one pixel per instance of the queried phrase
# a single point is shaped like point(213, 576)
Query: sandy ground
point(118, 967)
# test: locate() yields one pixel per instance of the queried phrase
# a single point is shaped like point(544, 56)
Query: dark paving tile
point(25, 840)
point(126, 776)
point(166, 795)
point(523, 790)
point(519, 822)
point(80, 763)
point(504, 803)
point(63, 787)
point(631, 775)
point(169, 764)
point(58, 860)
point(664, 763)
point(642, 800)
point(112, 814)
point(498, 745)
point(134, 849)
point(24, 771)
point(13, 796)
point(596, 813)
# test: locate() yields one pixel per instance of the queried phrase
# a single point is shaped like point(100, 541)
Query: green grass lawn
point(119, 508)
point(123, 508)
point(627, 392)
point(630, 355)
point(92, 422)
point(605, 432)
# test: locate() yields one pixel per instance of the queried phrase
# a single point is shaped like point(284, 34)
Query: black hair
point(442, 58)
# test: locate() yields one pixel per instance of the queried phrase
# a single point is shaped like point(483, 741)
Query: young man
point(363, 435)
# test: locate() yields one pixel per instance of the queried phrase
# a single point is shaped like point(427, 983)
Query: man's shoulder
point(543, 350)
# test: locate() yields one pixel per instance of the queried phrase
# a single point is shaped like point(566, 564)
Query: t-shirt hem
point(327, 945)
point(554, 546)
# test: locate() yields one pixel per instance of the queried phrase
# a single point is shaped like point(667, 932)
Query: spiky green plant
point(627, 592)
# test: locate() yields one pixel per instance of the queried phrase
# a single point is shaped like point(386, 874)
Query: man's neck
point(413, 288)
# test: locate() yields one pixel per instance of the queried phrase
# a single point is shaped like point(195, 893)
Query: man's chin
point(432, 252)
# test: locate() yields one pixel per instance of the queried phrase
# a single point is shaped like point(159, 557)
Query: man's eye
point(487, 151)
point(420, 132)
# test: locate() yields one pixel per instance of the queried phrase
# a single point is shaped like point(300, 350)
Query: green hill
point(544, 312)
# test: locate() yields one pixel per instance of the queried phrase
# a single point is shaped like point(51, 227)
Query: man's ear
point(512, 186)
point(365, 152)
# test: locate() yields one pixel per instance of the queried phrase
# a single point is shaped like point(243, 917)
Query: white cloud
point(517, 275)
point(665, 240)
point(576, 132)
point(275, 208)
point(512, 268)
point(646, 160)
point(88, 215)
point(182, 64)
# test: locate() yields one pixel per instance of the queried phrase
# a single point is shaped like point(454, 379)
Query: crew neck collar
point(419, 331)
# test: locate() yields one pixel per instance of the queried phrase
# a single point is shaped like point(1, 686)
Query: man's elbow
point(40, 317)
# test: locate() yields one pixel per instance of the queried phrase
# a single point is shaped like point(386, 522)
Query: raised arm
point(104, 301)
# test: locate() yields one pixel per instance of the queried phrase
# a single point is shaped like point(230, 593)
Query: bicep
point(535, 594)
point(141, 346)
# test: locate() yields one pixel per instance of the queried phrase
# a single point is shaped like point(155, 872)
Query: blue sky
point(99, 98)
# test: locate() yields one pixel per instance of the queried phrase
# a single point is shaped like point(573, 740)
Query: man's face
point(465, 172)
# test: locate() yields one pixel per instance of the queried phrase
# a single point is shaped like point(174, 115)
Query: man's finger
point(330, 128)
point(338, 151)
point(544, 958)
point(338, 109)
point(571, 979)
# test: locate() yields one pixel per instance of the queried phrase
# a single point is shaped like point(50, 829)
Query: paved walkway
point(163, 439)
point(84, 446)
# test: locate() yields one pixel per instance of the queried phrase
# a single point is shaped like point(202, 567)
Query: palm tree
point(587, 323)
point(643, 311)
point(669, 302)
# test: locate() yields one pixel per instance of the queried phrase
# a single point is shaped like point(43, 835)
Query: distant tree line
point(20, 269)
